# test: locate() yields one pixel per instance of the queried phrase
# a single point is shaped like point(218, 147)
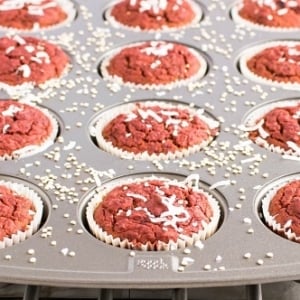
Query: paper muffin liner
point(251, 52)
point(109, 115)
point(183, 240)
point(22, 90)
point(34, 149)
point(256, 26)
point(67, 6)
point(251, 123)
point(177, 83)
point(33, 226)
point(196, 8)
point(285, 230)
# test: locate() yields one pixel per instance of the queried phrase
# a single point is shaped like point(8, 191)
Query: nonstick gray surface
point(64, 253)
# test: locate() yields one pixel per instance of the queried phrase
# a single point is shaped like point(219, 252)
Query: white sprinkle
point(220, 184)
point(25, 69)
point(250, 230)
point(269, 254)
point(64, 251)
point(259, 262)
point(247, 255)
point(247, 221)
point(207, 267)
point(9, 49)
point(8, 257)
point(29, 48)
point(53, 243)
point(187, 261)
point(137, 196)
point(70, 146)
point(5, 128)
point(219, 258)
point(72, 253)
point(11, 111)
point(199, 245)
point(32, 260)
point(30, 251)
point(282, 11)
point(19, 40)
point(180, 269)
point(155, 64)
point(132, 253)
point(158, 48)
point(187, 251)
point(150, 113)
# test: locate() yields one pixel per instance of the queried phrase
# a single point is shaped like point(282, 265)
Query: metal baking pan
point(64, 253)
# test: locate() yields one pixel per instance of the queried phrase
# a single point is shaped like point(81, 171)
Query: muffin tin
point(64, 253)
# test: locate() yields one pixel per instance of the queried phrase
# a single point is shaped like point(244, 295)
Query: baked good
point(153, 65)
point(275, 63)
point(21, 210)
point(268, 14)
point(35, 14)
point(281, 209)
point(150, 15)
point(152, 213)
point(276, 126)
point(154, 130)
point(24, 129)
point(31, 61)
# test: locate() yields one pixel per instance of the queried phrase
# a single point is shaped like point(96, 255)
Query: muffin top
point(30, 60)
point(30, 14)
point(155, 15)
point(271, 13)
point(152, 210)
point(154, 63)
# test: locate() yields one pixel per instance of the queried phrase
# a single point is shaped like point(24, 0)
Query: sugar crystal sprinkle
point(64, 251)
point(32, 260)
point(247, 221)
point(30, 251)
point(199, 245)
point(180, 269)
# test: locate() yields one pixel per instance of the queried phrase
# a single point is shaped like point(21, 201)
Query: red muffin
point(154, 130)
point(277, 127)
point(24, 129)
point(21, 212)
point(149, 15)
point(35, 14)
point(274, 63)
point(281, 209)
point(268, 14)
point(152, 214)
point(153, 65)
point(30, 61)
